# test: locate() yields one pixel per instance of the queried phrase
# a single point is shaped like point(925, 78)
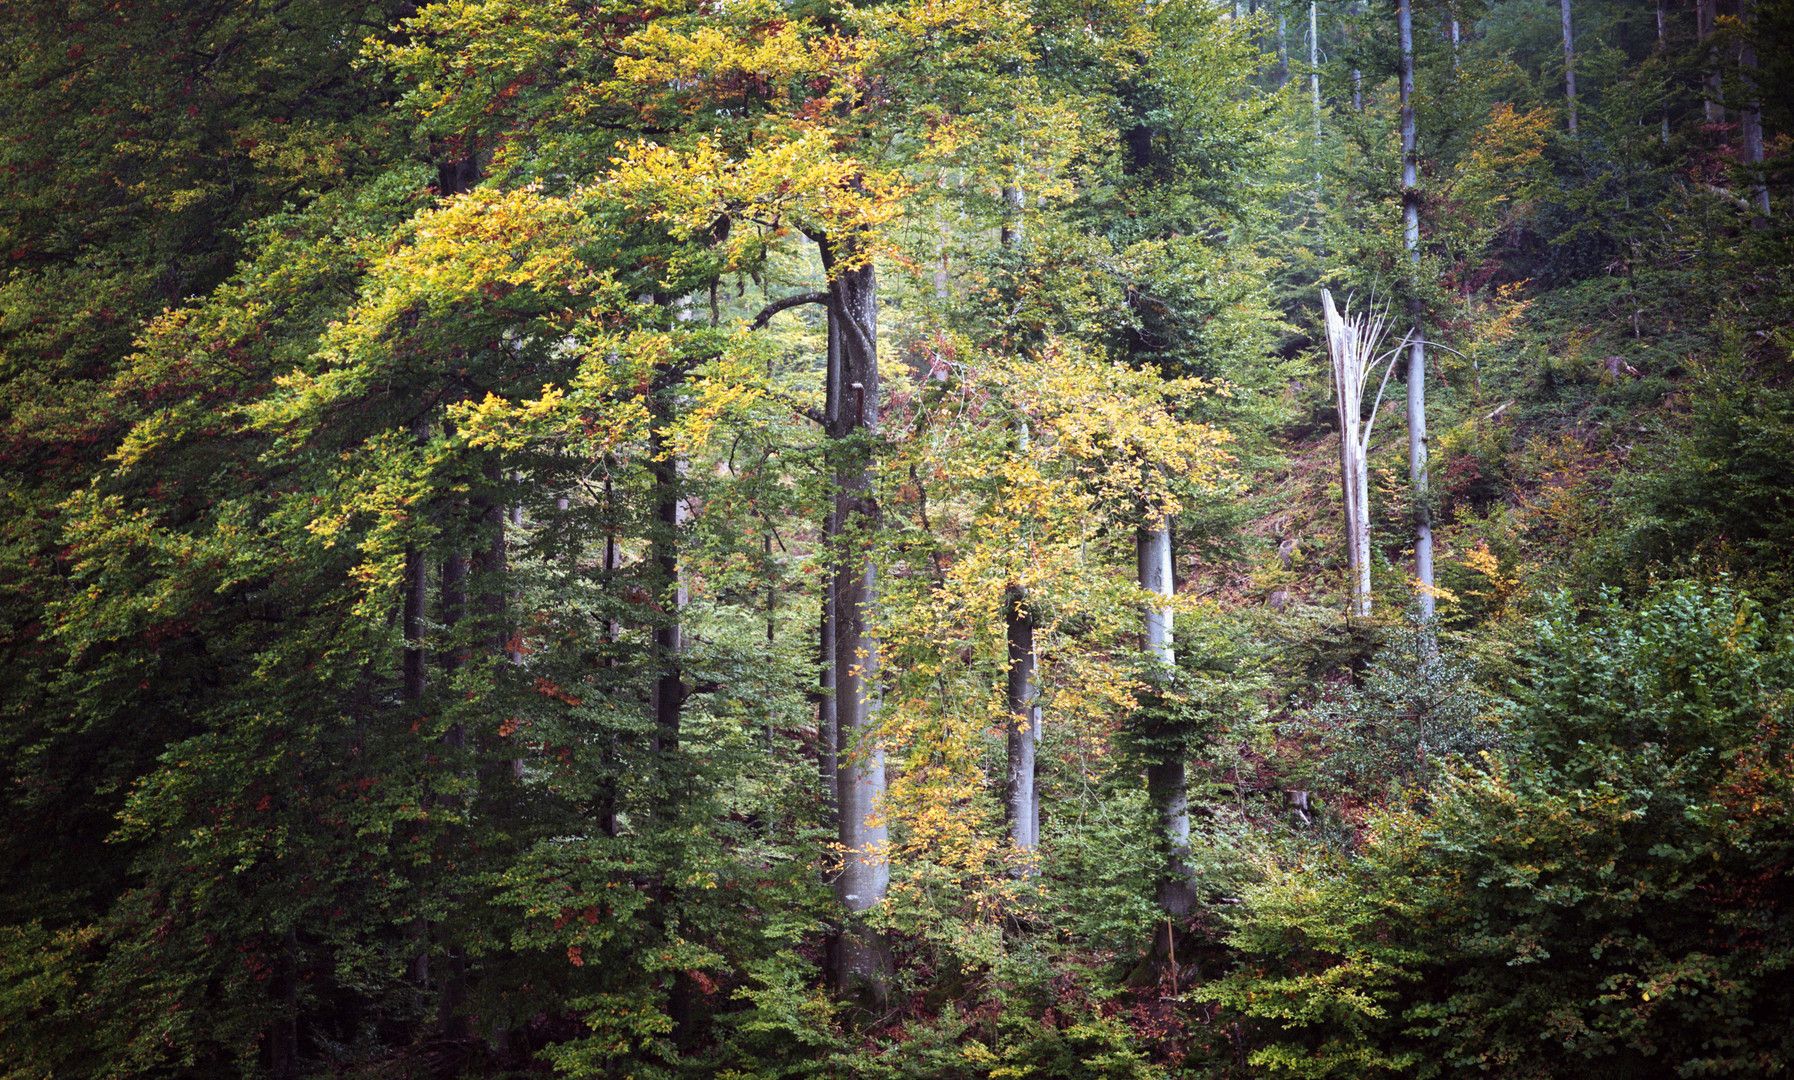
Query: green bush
point(1612, 898)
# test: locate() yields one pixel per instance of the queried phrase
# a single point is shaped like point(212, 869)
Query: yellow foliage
point(1032, 474)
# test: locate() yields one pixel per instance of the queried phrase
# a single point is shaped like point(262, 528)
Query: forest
point(896, 539)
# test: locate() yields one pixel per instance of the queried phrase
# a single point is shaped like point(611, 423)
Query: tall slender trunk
point(667, 468)
point(1357, 75)
point(669, 688)
point(827, 729)
point(1021, 794)
point(1750, 120)
point(417, 586)
point(1706, 17)
point(1351, 345)
point(1662, 47)
point(1314, 65)
point(1569, 64)
point(1314, 89)
point(1021, 801)
point(1165, 780)
point(1282, 50)
point(862, 960)
point(607, 807)
point(827, 723)
point(1164, 774)
point(1417, 456)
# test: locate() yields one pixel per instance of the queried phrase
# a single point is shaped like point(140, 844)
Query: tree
point(1417, 449)
point(1352, 344)
point(1569, 66)
point(142, 144)
point(1607, 892)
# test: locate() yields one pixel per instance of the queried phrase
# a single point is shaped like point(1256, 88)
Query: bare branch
point(798, 300)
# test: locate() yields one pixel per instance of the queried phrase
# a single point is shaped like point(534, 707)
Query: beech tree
point(1417, 447)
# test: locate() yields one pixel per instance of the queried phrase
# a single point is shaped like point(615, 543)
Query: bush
point(1614, 898)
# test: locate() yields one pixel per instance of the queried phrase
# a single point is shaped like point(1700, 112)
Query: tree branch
point(798, 300)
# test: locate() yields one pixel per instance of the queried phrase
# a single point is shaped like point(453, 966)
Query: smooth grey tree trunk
point(1417, 436)
point(1355, 7)
point(1569, 64)
point(669, 687)
point(1021, 794)
point(1282, 50)
point(1021, 801)
point(1165, 779)
point(827, 728)
point(1750, 121)
point(862, 961)
point(1314, 65)
point(1706, 15)
point(1662, 46)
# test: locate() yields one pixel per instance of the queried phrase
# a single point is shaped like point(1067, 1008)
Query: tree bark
point(1706, 15)
point(669, 688)
point(862, 960)
point(1352, 344)
point(827, 721)
point(1165, 779)
point(1314, 65)
point(1417, 436)
point(1662, 46)
point(1021, 795)
point(1569, 64)
point(1021, 801)
point(1750, 121)
point(1282, 50)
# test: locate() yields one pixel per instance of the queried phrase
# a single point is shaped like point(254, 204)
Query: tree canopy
point(795, 539)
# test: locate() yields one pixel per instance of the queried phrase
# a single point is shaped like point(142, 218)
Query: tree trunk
point(608, 809)
point(1282, 50)
point(1314, 66)
point(417, 586)
point(862, 961)
point(1569, 64)
point(1021, 801)
point(1165, 781)
point(1021, 795)
point(1352, 345)
point(1355, 7)
point(1706, 15)
point(1750, 122)
point(669, 688)
point(1662, 47)
point(827, 723)
point(1417, 457)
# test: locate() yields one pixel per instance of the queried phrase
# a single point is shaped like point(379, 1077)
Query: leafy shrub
point(1612, 900)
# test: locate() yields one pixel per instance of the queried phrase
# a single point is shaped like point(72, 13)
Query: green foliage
point(1418, 708)
point(1608, 895)
point(409, 573)
point(1722, 496)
